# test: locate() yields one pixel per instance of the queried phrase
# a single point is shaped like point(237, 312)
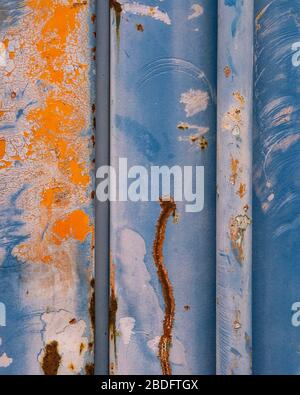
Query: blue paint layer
point(276, 247)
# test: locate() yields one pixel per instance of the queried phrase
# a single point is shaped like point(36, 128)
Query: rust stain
point(117, 7)
point(139, 27)
point(90, 369)
point(242, 190)
point(240, 98)
point(113, 308)
point(51, 360)
point(203, 143)
point(81, 348)
point(112, 369)
point(227, 71)
point(234, 170)
point(237, 227)
point(168, 208)
point(92, 305)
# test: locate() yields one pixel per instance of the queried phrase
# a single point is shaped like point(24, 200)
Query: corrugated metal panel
point(163, 113)
point(46, 153)
point(234, 205)
point(276, 245)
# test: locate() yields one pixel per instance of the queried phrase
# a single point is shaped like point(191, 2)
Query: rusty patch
point(234, 164)
point(92, 313)
point(227, 71)
point(113, 308)
point(117, 7)
point(238, 226)
point(112, 369)
point(239, 97)
point(89, 369)
point(51, 360)
point(242, 190)
point(168, 208)
point(139, 27)
point(203, 143)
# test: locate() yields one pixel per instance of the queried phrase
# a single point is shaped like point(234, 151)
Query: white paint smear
point(5, 361)
point(63, 328)
point(197, 11)
point(144, 10)
point(126, 326)
point(195, 101)
point(177, 351)
point(2, 55)
point(142, 299)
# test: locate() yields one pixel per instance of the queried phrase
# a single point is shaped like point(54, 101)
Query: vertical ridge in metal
point(102, 208)
point(234, 201)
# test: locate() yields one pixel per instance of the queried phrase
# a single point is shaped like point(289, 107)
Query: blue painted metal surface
point(234, 187)
point(163, 113)
point(276, 247)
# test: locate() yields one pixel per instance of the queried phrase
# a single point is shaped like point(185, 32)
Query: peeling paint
point(64, 338)
point(197, 11)
point(238, 227)
point(195, 101)
point(5, 361)
point(126, 325)
point(144, 10)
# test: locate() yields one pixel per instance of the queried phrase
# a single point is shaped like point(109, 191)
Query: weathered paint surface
point(163, 260)
point(46, 154)
point(276, 247)
point(234, 194)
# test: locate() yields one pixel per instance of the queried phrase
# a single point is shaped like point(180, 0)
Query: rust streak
point(168, 208)
point(113, 308)
point(117, 7)
point(92, 314)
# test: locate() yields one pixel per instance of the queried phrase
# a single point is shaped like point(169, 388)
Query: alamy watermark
point(141, 184)
point(2, 314)
point(296, 55)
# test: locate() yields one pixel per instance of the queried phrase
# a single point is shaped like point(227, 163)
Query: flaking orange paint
point(58, 151)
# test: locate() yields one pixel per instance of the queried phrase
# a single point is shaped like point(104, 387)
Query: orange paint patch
point(77, 174)
point(75, 225)
point(54, 59)
point(54, 196)
point(2, 148)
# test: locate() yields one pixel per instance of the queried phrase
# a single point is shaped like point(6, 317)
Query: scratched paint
point(276, 203)
point(163, 113)
point(234, 204)
point(46, 152)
